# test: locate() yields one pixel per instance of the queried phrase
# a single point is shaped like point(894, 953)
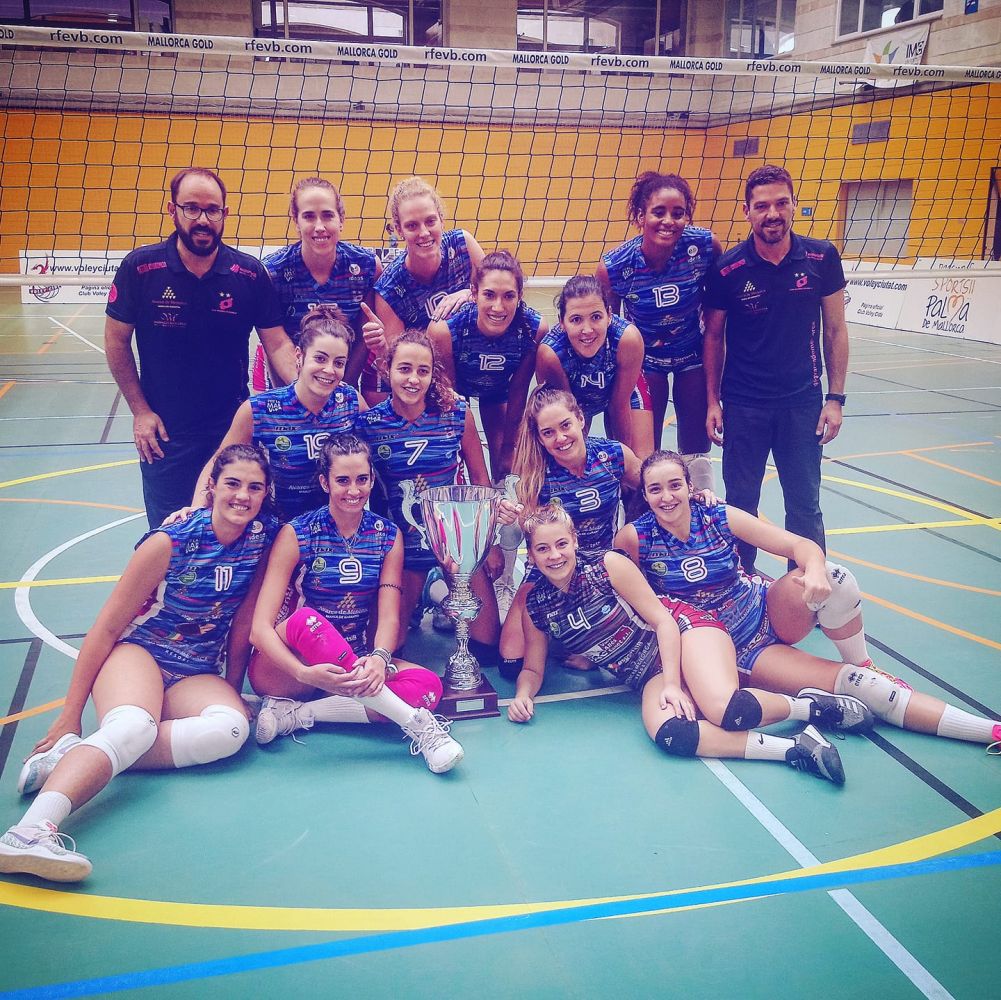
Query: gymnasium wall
point(556, 195)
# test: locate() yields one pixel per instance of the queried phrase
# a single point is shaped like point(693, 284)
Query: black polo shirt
point(193, 334)
point(773, 320)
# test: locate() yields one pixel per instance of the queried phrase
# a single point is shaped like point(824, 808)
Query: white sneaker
point(38, 850)
point(281, 716)
point(39, 766)
point(429, 734)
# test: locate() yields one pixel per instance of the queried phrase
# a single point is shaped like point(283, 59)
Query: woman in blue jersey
point(556, 460)
point(658, 278)
point(293, 421)
point(164, 664)
point(689, 550)
point(321, 267)
point(428, 281)
point(418, 438)
point(331, 660)
point(599, 606)
point(598, 357)
point(487, 350)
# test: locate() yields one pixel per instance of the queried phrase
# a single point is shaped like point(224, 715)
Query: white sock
point(960, 725)
point(853, 649)
point(337, 708)
point(392, 706)
point(799, 708)
point(764, 746)
point(51, 806)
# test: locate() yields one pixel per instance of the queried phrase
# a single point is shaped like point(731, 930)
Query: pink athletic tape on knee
point(310, 635)
point(418, 687)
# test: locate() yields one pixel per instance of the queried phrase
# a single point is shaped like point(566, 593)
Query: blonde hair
point(413, 187)
point(551, 513)
point(529, 460)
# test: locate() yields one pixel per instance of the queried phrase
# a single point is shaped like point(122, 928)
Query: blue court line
point(367, 944)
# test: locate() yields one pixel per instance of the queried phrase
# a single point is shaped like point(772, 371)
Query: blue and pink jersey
point(484, 366)
point(337, 576)
point(351, 279)
point(185, 622)
point(424, 452)
point(591, 500)
point(666, 304)
point(413, 300)
point(704, 571)
point(293, 437)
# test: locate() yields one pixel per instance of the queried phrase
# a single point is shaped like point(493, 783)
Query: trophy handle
point(510, 493)
point(410, 500)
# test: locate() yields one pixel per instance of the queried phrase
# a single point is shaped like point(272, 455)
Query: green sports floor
point(565, 858)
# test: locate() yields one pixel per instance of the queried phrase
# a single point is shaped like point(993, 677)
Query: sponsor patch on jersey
point(282, 443)
point(192, 546)
point(660, 568)
point(384, 451)
point(319, 564)
point(188, 577)
point(274, 406)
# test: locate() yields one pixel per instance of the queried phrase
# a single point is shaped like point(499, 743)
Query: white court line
point(925, 350)
point(22, 595)
point(856, 912)
point(78, 336)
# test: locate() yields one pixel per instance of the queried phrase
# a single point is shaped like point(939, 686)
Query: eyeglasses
point(194, 212)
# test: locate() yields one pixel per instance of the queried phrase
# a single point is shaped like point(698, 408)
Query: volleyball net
point(531, 151)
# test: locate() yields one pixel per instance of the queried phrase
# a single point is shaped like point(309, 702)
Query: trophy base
point(476, 703)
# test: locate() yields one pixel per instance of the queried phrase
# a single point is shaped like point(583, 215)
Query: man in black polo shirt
point(192, 302)
point(774, 305)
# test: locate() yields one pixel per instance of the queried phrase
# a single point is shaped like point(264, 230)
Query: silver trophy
point(460, 525)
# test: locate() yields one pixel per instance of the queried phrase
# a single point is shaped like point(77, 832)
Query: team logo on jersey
point(380, 525)
point(451, 253)
point(319, 564)
point(602, 456)
point(188, 577)
point(256, 527)
point(338, 397)
point(223, 577)
point(283, 443)
point(273, 406)
point(556, 501)
point(554, 628)
point(802, 280)
point(749, 287)
point(354, 269)
point(225, 301)
point(658, 567)
point(384, 451)
point(693, 250)
point(168, 294)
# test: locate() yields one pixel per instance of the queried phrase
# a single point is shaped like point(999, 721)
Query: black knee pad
point(678, 737)
point(743, 711)
point(511, 667)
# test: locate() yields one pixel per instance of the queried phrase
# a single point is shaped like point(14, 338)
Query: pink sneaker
point(994, 749)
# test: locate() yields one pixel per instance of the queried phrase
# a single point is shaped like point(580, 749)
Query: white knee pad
point(700, 471)
point(886, 700)
point(845, 602)
point(125, 734)
point(217, 733)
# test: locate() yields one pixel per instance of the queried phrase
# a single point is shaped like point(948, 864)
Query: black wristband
point(835, 397)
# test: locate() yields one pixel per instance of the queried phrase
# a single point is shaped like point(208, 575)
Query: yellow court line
point(72, 503)
point(910, 497)
point(285, 918)
point(29, 712)
point(6, 387)
point(72, 581)
point(917, 616)
point(909, 451)
point(953, 468)
point(844, 557)
point(868, 529)
point(69, 472)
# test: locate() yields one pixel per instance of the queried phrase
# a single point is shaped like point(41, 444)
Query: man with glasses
point(192, 302)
